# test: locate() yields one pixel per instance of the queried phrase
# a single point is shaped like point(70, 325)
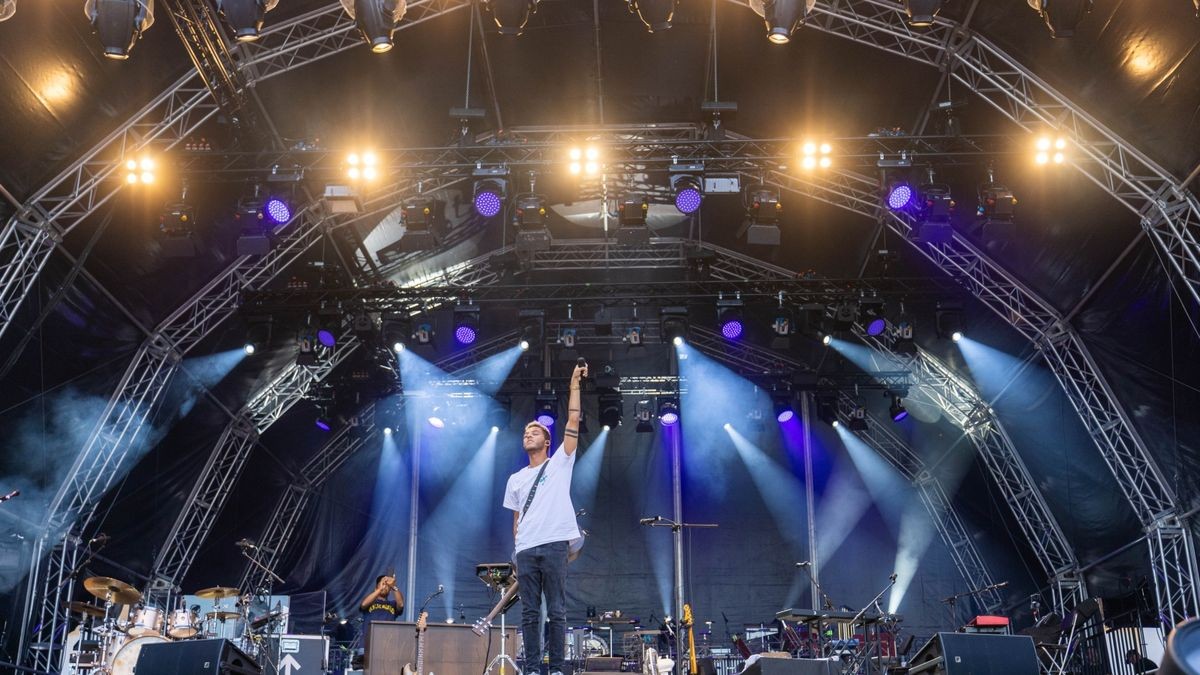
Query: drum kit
point(110, 636)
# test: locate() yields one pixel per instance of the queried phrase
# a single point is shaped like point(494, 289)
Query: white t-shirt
point(551, 516)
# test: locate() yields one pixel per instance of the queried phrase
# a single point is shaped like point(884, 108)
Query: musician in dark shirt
point(1141, 664)
point(385, 603)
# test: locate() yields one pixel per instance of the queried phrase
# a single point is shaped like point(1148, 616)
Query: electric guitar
point(687, 623)
point(422, 623)
point(506, 600)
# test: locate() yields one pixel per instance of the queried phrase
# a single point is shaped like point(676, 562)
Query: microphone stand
point(256, 563)
point(677, 528)
point(866, 654)
point(951, 601)
point(826, 602)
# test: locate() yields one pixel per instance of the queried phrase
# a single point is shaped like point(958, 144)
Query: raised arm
point(571, 432)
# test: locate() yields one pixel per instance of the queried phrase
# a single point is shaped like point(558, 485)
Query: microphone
point(101, 539)
point(441, 589)
point(581, 362)
point(893, 577)
point(17, 493)
point(804, 564)
point(245, 544)
point(650, 521)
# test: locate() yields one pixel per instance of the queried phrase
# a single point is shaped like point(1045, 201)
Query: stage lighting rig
point(632, 208)
point(529, 219)
point(119, 23)
point(139, 171)
point(686, 181)
point(668, 410)
point(814, 155)
point(997, 204)
point(845, 315)
point(656, 15)
point(584, 161)
point(424, 222)
point(245, 17)
point(731, 320)
point(934, 209)
point(922, 12)
point(871, 312)
point(546, 411)
point(642, 413)
point(491, 189)
point(1061, 16)
point(511, 16)
point(783, 324)
point(376, 20)
point(902, 338)
point(782, 17)
point(362, 166)
point(611, 407)
point(763, 209)
point(897, 409)
point(1050, 149)
point(466, 323)
point(533, 326)
point(783, 404)
point(176, 224)
point(673, 323)
point(857, 419)
point(948, 317)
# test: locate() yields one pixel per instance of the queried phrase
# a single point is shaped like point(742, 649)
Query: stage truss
point(1167, 212)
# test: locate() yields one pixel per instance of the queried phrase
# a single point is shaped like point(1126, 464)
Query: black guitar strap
point(533, 490)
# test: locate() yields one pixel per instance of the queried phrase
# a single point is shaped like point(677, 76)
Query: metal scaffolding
point(279, 530)
point(224, 467)
point(891, 448)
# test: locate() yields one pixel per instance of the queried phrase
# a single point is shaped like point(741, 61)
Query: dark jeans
point(543, 570)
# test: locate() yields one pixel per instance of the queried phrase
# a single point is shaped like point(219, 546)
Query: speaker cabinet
point(195, 657)
point(976, 654)
point(450, 649)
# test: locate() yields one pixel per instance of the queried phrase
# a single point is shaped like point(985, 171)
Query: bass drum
point(126, 658)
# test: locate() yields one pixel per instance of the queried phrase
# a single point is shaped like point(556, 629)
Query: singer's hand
point(579, 373)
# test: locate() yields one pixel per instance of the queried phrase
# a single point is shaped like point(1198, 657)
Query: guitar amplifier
point(450, 649)
point(976, 654)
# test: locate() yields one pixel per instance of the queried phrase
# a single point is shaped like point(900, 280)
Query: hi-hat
point(84, 608)
point(216, 592)
point(222, 616)
point(107, 588)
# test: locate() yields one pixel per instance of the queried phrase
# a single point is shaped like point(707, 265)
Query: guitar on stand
point(687, 623)
point(422, 624)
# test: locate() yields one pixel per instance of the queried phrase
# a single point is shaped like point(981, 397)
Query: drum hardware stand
point(677, 530)
point(495, 577)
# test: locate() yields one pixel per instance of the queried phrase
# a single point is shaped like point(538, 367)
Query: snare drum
point(146, 621)
point(183, 624)
point(126, 658)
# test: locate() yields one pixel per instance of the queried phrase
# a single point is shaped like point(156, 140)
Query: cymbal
point(646, 631)
point(222, 615)
point(106, 588)
point(216, 592)
point(84, 608)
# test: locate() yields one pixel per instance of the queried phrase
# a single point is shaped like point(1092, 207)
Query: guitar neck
point(420, 652)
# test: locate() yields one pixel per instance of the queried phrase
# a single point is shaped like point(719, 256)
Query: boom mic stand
point(866, 657)
point(660, 521)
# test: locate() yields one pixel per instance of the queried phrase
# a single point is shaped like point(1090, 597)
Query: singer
point(539, 496)
point(385, 603)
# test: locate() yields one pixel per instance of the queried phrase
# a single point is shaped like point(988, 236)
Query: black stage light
point(902, 339)
point(176, 226)
point(996, 203)
point(643, 413)
point(858, 419)
point(1061, 16)
point(921, 12)
point(948, 317)
point(533, 326)
point(529, 218)
point(783, 17)
point(763, 209)
point(119, 23)
point(673, 323)
point(245, 16)
point(610, 409)
point(631, 219)
point(655, 14)
point(731, 320)
point(546, 410)
point(376, 20)
point(668, 410)
point(934, 209)
point(897, 409)
point(395, 330)
point(511, 15)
